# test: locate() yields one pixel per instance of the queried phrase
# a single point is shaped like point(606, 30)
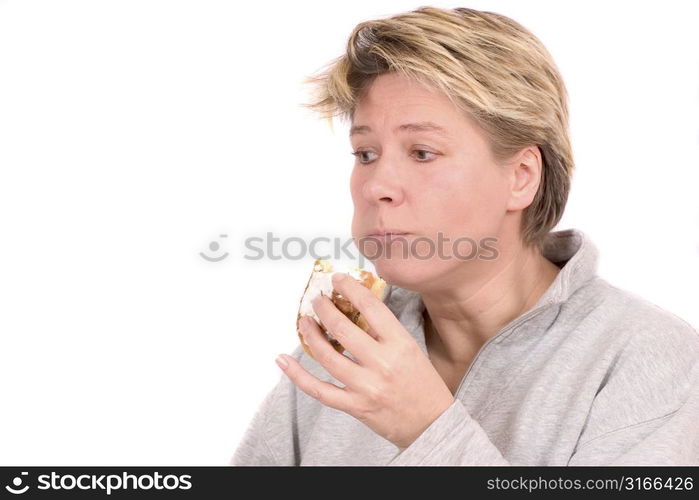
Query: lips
point(388, 232)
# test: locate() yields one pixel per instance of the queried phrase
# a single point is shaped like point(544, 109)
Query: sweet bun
point(320, 283)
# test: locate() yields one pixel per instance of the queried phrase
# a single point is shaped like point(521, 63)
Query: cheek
point(356, 183)
point(465, 197)
point(356, 192)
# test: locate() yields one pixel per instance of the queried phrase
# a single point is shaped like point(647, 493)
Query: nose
point(383, 186)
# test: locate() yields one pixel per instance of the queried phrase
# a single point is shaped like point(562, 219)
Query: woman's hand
point(392, 388)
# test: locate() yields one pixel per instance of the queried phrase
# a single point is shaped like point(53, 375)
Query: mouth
point(381, 232)
point(384, 234)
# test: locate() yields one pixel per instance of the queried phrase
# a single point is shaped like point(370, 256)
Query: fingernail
point(281, 362)
point(339, 277)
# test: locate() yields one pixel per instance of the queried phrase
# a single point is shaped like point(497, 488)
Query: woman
point(459, 125)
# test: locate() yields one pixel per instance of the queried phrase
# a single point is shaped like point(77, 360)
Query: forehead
point(406, 106)
point(423, 126)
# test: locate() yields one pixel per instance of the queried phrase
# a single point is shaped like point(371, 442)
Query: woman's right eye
point(360, 157)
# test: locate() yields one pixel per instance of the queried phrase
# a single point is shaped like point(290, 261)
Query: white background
point(133, 133)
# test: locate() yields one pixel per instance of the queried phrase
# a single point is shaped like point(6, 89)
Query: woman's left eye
point(423, 159)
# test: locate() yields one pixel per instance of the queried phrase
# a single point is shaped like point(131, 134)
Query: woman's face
point(434, 186)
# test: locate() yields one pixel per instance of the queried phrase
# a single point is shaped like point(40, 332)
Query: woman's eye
point(423, 159)
point(361, 157)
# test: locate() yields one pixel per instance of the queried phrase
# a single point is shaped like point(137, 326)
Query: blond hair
point(490, 66)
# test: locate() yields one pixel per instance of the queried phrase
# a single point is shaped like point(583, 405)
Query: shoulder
point(609, 321)
point(647, 326)
point(652, 353)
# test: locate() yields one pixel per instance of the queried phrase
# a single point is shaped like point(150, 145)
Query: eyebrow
point(406, 127)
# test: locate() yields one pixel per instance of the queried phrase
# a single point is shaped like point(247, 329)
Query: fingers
point(325, 392)
point(382, 322)
point(339, 366)
point(353, 338)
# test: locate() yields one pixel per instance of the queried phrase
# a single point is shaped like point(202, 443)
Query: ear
point(525, 176)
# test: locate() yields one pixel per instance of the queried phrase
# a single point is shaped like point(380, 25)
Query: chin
point(410, 274)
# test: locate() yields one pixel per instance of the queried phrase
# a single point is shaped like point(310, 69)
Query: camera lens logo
point(17, 482)
point(214, 246)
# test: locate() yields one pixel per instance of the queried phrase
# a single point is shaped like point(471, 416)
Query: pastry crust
point(366, 278)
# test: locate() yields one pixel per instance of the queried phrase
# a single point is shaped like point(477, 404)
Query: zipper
point(517, 322)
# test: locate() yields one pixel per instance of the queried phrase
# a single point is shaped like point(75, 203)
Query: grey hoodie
point(591, 375)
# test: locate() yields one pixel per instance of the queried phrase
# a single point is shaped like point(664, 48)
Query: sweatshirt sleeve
point(648, 411)
point(254, 449)
point(670, 439)
point(272, 438)
point(454, 438)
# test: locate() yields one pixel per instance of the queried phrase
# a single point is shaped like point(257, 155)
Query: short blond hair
point(490, 66)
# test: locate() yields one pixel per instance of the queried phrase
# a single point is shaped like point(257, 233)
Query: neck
point(462, 316)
